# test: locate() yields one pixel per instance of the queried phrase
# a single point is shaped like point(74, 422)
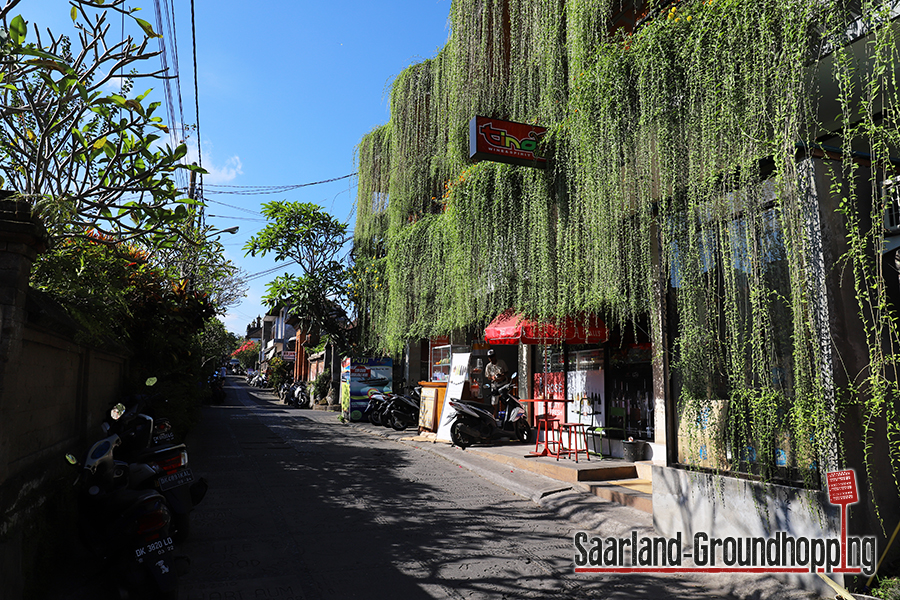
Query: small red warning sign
point(842, 487)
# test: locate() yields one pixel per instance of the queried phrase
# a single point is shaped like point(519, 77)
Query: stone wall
point(53, 394)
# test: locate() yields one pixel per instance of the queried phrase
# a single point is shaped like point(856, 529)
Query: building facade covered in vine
point(717, 190)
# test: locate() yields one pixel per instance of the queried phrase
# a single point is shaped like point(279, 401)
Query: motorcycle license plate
point(182, 477)
point(153, 550)
point(162, 438)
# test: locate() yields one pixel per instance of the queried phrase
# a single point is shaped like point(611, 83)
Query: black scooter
point(375, 410)
point(159, 466)
point(297, 395)
point(403, 410)
point(125, 527)
point(474, 422)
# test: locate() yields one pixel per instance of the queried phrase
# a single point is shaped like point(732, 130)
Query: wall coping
point(19, 224)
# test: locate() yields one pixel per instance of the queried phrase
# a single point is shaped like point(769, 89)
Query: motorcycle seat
point(157, 453)
point(482, 405)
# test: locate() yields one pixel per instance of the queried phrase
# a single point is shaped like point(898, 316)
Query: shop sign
point(552, 386)
point(289, 355)
point(440, 341)
point(506, 141)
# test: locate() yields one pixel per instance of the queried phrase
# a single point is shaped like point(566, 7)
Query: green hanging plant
point(682, 136)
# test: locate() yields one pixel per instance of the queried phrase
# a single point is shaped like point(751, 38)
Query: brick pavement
point(302, 507)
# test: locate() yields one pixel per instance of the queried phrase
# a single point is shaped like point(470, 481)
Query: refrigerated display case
point(439, 361)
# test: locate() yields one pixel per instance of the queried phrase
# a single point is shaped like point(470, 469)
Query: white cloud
point(114, 85)
point(217, 172)
point(225, 173)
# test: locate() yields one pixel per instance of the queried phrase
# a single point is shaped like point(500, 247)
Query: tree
point(247, 354)
point(306, 235)
point(86, 159)
point(115, 292)
point(198, 257)
point(216, 343)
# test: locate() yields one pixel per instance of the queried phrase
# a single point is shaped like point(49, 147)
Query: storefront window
point(730, 318)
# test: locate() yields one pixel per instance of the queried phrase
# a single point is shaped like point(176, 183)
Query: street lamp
point(228, 230)
point(195, 250)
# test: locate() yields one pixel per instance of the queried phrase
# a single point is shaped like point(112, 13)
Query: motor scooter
point(158, 466)
point(125, 527)
point(403, 410)
point(375, 410)
point(474, 422)
point(217, 389)
point(299, 396)
point(284, 389)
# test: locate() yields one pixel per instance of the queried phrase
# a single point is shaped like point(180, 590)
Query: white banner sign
point(459, 372)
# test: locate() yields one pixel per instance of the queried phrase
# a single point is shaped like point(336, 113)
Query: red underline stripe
point(705, 570)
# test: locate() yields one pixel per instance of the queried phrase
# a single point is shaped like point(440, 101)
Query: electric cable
point(255, 190)
point(238, 218)
point(263, 273)
point(197, 110)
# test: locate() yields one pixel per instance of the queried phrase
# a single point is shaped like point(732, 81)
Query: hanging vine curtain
point(657, 145)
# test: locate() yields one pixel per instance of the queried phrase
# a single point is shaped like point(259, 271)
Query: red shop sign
point(506, 141)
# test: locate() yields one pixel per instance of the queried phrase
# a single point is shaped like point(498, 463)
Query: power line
point(197, 106)
point(238, 218)
point(263, 273)
point(165, 25)
point(254, 190)
point(246, 210)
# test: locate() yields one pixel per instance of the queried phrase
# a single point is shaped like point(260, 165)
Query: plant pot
point(633, 450)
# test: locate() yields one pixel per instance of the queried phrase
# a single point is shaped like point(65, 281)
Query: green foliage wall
point(663, 136)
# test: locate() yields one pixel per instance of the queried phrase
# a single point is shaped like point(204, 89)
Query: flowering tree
point(247, 354)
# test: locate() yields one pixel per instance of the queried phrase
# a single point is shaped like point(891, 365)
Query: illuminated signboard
point(505, 141)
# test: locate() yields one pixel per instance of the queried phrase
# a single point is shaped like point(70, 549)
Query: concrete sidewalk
point(611, 479)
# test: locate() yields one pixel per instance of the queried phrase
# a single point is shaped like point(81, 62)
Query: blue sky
point(286, 91)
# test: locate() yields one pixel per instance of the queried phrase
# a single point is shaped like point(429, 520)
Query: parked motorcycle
point(403, 410)
point(299, 396)
point(474, 422)
point(217, 387)
point(160, 466)
point(259, 380)
point(375, 409)
point(125, 527)
point(284, 390)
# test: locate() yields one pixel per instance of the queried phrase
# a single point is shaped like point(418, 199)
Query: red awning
point(511, 328)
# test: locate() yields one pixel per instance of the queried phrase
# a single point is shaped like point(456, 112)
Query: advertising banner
point(551, 386)
point(360, 378)
point(459, 372)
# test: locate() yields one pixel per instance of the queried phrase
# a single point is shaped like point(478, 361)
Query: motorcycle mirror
point(117, 411)
point(514, 375)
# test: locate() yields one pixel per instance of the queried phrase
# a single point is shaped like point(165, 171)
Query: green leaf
point(180, 152)
point(100, 143)
point(74, 13)
point(148, 30)
point(17, 29)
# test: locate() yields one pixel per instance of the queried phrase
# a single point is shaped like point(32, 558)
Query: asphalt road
point(303, 507)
